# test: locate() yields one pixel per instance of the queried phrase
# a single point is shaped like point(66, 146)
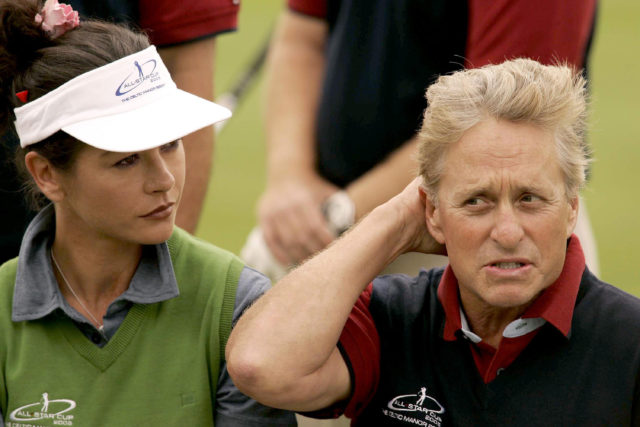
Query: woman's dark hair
point(31, 60)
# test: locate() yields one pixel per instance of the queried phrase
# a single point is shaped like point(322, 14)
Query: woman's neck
point(97, 268)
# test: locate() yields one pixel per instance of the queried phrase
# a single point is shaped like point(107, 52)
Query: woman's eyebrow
point(116, 153)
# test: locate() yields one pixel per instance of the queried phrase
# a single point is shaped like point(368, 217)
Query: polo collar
point(555, 305)
point(36, 289)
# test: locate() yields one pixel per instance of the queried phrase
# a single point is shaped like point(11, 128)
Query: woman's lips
point(160, 212)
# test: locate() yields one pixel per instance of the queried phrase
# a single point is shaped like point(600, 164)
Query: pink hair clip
point(57, 18)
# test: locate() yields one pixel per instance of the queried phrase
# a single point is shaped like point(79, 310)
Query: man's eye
point(127, 161)
point(529, 198)
point(474, 201)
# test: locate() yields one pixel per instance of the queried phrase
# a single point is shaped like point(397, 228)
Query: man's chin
point(511, 297)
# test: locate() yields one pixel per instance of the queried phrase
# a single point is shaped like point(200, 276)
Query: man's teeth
point(508, 265)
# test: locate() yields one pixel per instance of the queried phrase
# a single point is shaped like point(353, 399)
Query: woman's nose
point(159, 176)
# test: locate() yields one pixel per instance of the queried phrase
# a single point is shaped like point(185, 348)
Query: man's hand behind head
point(410, 206)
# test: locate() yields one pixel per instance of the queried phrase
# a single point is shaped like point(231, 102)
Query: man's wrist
point(279, 176)
point(386, 222)
point(283, 165)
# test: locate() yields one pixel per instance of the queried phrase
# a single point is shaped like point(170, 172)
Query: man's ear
point(432, 217)
point(574, 208)
point(47, 178)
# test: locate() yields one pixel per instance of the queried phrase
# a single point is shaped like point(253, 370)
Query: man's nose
point(507, 230)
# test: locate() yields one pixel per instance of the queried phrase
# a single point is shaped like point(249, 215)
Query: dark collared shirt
point(555, 305)
point(360, 342)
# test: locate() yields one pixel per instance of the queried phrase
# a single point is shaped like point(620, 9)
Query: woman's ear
point(47, 178)
point(432, 217)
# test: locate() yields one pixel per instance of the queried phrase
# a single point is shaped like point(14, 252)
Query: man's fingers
point(293, 238)
point(292, 221)
point(274, 245)
point(303, 233)
point(318, 228)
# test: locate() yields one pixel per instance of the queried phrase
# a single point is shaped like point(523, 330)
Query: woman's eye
point(127, 161)
point(171, 146)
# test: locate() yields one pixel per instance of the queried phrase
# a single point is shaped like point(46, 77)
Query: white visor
point(128, 105)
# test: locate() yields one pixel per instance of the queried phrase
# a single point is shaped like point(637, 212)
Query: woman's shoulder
point(182, 243)
point(8, 274)
point(7, 284)
point(193, 257)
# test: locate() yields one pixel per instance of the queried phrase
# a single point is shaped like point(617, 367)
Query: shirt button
point(499, 371)
point(96, 338)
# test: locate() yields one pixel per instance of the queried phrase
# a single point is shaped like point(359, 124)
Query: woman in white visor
point(110, 315)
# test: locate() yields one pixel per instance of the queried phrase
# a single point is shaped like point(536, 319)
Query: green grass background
point(613, 195)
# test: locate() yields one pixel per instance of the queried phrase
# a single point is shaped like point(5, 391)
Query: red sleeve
point(169, 22)
point(545, 30)
point(317, 8)
point(359, 345)
point(361, 348)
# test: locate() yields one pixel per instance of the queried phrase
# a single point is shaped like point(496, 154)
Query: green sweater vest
point(160, 368)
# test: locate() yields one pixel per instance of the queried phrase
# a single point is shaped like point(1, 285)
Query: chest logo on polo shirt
point(51, 411)
point(417, 409)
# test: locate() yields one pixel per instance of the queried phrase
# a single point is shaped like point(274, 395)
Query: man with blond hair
point(514, 331)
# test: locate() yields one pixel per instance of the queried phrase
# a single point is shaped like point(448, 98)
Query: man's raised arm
point(283, 350)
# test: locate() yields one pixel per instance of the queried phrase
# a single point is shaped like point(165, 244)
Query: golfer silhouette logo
point(424, 403)
point(140, 74)
point(45, 408)
point(45, 402)
point(423, 396)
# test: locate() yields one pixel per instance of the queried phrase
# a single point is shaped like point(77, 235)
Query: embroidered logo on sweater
point(417, 409)
point(53, 411)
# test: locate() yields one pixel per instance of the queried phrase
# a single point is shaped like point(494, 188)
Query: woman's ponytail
point(21, 38)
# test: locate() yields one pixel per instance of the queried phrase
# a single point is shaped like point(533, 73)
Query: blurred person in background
point(345, 93)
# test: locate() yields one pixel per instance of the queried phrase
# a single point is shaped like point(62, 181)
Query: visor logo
point(142, 73)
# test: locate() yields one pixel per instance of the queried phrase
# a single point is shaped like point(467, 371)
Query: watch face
point(339, 212)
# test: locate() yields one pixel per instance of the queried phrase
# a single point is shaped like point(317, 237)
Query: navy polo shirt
point(575, 358)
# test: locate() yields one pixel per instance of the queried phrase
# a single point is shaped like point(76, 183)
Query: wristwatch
point(339, 211)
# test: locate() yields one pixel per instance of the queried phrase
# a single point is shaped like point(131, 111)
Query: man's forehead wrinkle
point(513, 142)
point(497, 159)
point(500, 151)
point(486, 166)
point(467, 158)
